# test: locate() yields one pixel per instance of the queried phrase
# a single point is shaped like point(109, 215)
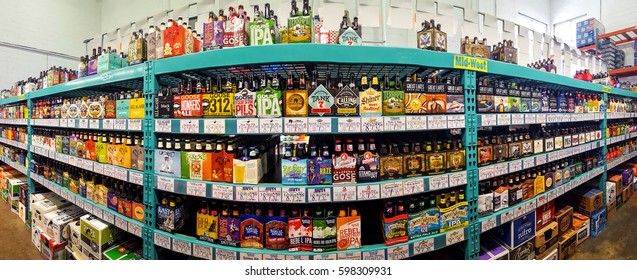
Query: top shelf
point(621, 36)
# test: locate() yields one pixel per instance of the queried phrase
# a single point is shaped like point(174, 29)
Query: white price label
point(394, 123)
point(136, 178)
point(135, 229)
point(166, 184)
point(368, 192)
point(94, 124)
point(376, 255)
point(120, 124)
point(135, 125)
point(552, 118)
point(398, 253)
point(413, 186)
point(160, 125)
point(519, 211)
point(162, 240)
point(454, 237)
point(293, 195)
point(424, 246)
point(437, 122)
point(271, 126)
point(502, 169)
point(109, 171)
point(488, 120)
point(506, 217)
point(273, 257)
point(344, 193)
point(515, 166)
point(248, 126)
point(528, 162)
point(223, 192)
point(504, 119)
point(121, 223)
point(247, 194)
point(416, 122)
point(107, 124)
point(553, 156)
point(189, 126)
point(183, 247)
point(250, 256)
point(488, 224)
point(560, 191)
point(196, 188)
point(221, 254)
point(349, 125)
point(529, 118)
point(297, 257)
point(319, 125)
point(374, 124)
point(97, 211)
point(325, 257)
point(64, 123)
point(517, 119)
point(485, 173)
point(319, 195)
point(121, 174)
point(83, 123)
point(456, 121)
point(270, 194)
point(391, 190)
point(71, 123)
point(552, 195)
point(350, 256)
point(458, 179)
point(73, 161)
point(541, 200)
point(540, 160)
point(202, 251)
point(295, 125)
point(438, 182)
point(540, 118)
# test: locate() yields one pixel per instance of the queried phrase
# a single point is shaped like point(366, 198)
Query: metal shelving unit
point(284, 59)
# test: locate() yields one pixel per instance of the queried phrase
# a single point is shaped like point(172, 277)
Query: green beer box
point(262, 32)
point(300, 29)
point(97, 236)
point(108, 62)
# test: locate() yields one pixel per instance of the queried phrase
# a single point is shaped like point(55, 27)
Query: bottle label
point(191, 106)
point(196, 165)
point(346, 102)
point(485, 204)
point(95, 110)
point(368, 167)
point(137, 108)
point(393, 102)
point(454, 217)
point(321, 102)
point(245, 104)
point(324, 234)
point(168, 163)
point(391, 167)
point(110, 109)
point(205, 225)
point(276, 233)
point(296, 103)
point(268, 103)
point(229, 233)
point(122, 109)
point(500, 152)
point(456, 161)
point(514, 150)
point(514, 104)
point(300, 234)
point(436, 163)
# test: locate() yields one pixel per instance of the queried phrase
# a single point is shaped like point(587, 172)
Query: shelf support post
point(151, 86)
point(470, 141)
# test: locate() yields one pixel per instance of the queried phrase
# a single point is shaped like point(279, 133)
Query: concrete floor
point(614, 243)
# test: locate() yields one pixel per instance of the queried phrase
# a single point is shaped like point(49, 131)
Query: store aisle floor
point(616, 242)
point(15, 237)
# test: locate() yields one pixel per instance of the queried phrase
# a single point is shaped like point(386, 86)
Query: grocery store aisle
point(616, 241)
point(15, 237)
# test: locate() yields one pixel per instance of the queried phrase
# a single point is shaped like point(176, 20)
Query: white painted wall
point(52, 26)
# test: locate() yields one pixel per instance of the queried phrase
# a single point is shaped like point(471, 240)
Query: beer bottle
point(452, 199)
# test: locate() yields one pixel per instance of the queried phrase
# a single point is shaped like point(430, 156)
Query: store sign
point(470, 63)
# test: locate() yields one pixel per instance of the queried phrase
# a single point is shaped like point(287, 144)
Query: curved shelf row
point(500, 169)
point(313, 125)
point(14, 121)
point(278, 193)
point(112, 217)
point(93, 124)
point(133, 176)
point(620, 115)
point(15, 166)
point(13, 99)
point(14, 143)
point(486, 120)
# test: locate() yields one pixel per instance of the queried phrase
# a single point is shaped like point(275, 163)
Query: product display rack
point(295, 58)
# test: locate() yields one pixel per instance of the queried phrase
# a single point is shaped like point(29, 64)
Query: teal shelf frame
point(151, 73)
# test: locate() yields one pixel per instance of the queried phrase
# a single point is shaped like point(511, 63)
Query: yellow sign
point(470, 63)
point(606, 89)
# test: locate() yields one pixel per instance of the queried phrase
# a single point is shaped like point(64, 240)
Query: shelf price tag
point(374, 124)
point(222, 192)
point(189, 126)
point(506, 217)
point(162, 240)
point(529, 118)
point(485, 173)
point(437, 122)
point(487, 120)
point(391, 190)
point(540, 118)
point(183, 247)
point(250, 256)
point(248, 126)
point(108, 124)
point(121, 174)
point(121, 223)
point(552, 195)
point(528, 162)
point(135, 229)
point(424, 246)
point(221, 254)
point(515, 166)
point(349, 125)
point(502, 169)
point(83, 123)
point(271, 126)
point(319, 195)
point(71, 123)
point(108, 217)
point(293, 195)
point(270, 194)
point(344, 193)
point(416, 122)
point(136, 178)
point(504, 119)
point(135, 124)
point(456, 121)
point(376, 255)
point(297, 257)
point(413, 186)
point(247, 194)
point(454, 237)
point(295, 125)
point(541, 159)
point(202, 251)
point(166, 184)
point(517, 119)
point(319, 125)
point(94, 124)
point(368, 192)
point(273, 257)
point(354, 256)
point(195, 188)
point(398, 252)
point(160, 125)
point(458, 179)
point(394, 123)
point(438, 182)
point(120, 124)
point(488, 224)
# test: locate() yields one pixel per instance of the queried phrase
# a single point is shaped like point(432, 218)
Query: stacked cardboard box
point(587, 32)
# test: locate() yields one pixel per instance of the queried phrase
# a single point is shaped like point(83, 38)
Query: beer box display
point(174, 40)
point(455, 99)
point(550, 254)
point(163, 107)
point(294, 171)
point(124, 251)
point(208, 226)
point(251, 231)
point(424, 223)
point(456, 217)
point(501, 104)
point(395, 229)
point(486, 99)
point(324, 233)
point(136, 108)
point(524, 251)
point(229, 233)
point(245, 103)
point(627, 175)
point(56, 221)
point(97, 236)
point(171, 219)
point(35, 236)
point(122, 109)
point(517, 232)
point(564, 218)
point(582, 225)
point(248, 171)
point(567, 245)
point(545, 238)
point(262, 32)
point(235, 33)
point(107, 62)
point(269, 103)
point(319, 171)
point(211, 30)
point(168, 163)
point(75, 236)
point(221, 103)
point(300, 233)
point(348, 231)
point(190, 106)
point(196, 165)
point(51, 250)
point(476, 48)
point(276, 232)
point(545, 214)
point(611, 210)
point(321, 102)
point(393, 100)
point(300, 29)
point(416, 98)
point(346, 101)
point(295, 103)
point(598, 222)
point(41, 208)
point(490, 249)
point(525, 101)
point(344, 168)
point(589, 201)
